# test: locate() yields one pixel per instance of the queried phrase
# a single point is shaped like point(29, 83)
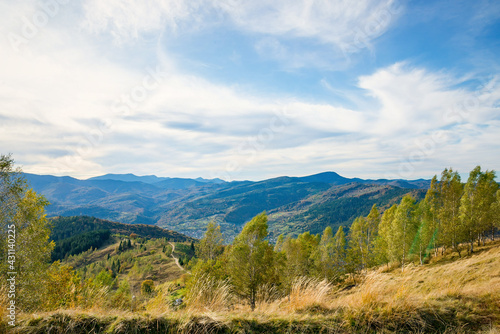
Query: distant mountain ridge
point(153, 179)
point(334, 178)
point(294, 204)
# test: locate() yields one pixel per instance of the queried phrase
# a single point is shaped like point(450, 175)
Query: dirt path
point(175, 259)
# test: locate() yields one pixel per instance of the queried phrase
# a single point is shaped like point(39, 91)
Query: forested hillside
point(294, 204)
point(66, 227)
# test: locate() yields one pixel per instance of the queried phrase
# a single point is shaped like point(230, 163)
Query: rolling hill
point(294, 204)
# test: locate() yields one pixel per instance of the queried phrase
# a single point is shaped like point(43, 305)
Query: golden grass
point(209, 294)
point(443, 297)
point(308, 292)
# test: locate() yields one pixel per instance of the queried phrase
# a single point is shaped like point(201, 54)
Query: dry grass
point(308, 292)
point(209, 294)
point(161, 303)
point(444, 297)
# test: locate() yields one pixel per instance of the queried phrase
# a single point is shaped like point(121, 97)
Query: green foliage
point(122, 298)
point(404, 227)
point(384, 243)
point(331, 257)
point(211, 244)
point(79, 243)
point(104, 279)
point(22, 212)
point(451, 189)
point(476, 214)
point(251, 260)
point(362, 235)
point(65, 227)
point(147, 287)
point(342, 209)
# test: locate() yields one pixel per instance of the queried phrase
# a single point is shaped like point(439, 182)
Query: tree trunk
point(252, 300)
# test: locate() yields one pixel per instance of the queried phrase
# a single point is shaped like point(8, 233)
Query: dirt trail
point(175, 259)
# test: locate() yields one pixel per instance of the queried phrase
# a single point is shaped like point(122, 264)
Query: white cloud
point(128, 20)
point(63, 106)
point(334, 29)
point(336, 22)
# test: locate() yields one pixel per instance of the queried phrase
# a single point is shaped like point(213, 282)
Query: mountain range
point(293, 204)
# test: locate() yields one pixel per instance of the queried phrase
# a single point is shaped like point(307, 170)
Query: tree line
point(453, 216)
point(79, 243)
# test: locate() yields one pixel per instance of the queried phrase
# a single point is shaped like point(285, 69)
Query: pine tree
point(251, 260)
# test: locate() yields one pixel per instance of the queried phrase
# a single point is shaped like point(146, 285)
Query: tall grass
point(307, 292)
point(209, 294)
point(462, 296)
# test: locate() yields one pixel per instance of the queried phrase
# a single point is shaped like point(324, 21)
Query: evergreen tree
point(251, 260)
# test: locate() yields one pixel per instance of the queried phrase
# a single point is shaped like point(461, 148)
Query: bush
point(147, 287)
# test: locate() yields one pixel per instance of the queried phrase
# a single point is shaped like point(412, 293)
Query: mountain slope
point(66, 227)
point(294, 204)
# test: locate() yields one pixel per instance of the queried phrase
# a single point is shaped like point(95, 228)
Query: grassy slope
point(152, 263)
point(448, 295)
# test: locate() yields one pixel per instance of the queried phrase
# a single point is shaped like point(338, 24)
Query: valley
point(294, 204)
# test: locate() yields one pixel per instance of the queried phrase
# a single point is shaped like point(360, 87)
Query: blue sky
point(250, 90)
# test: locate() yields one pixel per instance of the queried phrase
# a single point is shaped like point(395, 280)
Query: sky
point(250, 89)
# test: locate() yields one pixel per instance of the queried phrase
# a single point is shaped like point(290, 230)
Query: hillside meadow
point(448, 295)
